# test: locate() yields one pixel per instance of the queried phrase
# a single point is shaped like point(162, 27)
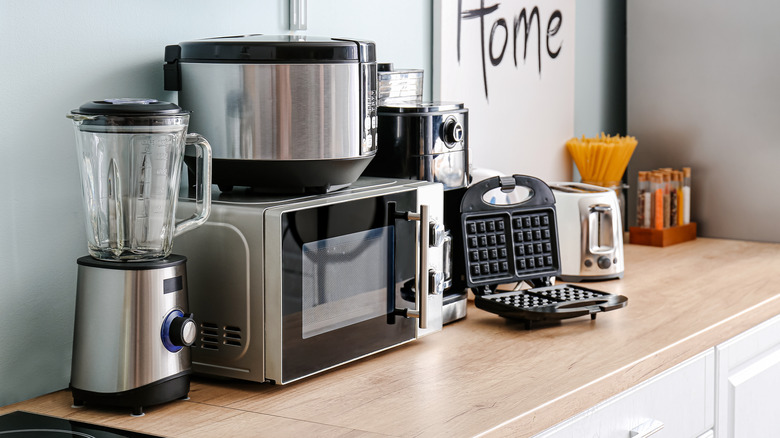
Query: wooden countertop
point(485, 375)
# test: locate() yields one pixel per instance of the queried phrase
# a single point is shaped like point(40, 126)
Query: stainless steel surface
point(435, 282)
point(235, 275)
point(426, 141)
point(432, 195)
point(119, 315)
point(449, 169)
point(446, 249)
point(277, 111)
point(225, 264)
point(601, 229)
point(436, 233)
point(590, 232)
point(421, 291)
point(454, 310)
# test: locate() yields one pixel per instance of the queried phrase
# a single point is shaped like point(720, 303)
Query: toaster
point(590, 230)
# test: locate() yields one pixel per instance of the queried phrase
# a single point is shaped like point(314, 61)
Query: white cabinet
point(730, 391)
point(748, 383)
point(681, 400)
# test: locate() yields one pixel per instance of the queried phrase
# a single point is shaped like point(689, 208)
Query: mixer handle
point(203, 181)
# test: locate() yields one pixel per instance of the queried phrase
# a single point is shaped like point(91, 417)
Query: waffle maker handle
point(540, 193)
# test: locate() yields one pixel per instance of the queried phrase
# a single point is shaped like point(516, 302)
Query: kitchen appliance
point(288, 113)
point(26, 424)
point(591, 232)
point(132, 321)
point(288, 286)
point(425, 141)
point(398, 86)
point(429, 142)
point(518, 243)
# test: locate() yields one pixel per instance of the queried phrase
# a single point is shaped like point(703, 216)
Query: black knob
point(453, 132)
point(604, 262)
point(183, 331)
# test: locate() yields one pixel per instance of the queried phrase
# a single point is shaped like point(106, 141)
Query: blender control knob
point(453, 132)
point(604, 262)
point(183, 330)
point(179, 330)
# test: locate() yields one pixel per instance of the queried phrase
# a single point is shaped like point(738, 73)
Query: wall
point(600, 74)
point(703, 92)
point(58, 55)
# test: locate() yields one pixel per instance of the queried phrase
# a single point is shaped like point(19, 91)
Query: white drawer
point(681, 399)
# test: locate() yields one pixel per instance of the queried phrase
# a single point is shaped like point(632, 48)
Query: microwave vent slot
point(212, 336)
point(232, 336)
point(209, 336)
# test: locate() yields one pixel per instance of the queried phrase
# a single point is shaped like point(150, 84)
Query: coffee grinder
point(429, 141)
point(132, 324)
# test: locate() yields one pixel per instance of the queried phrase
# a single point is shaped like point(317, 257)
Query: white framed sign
point(511, 62)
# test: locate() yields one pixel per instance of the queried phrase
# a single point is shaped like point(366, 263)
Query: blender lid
point(272, 49)
point(130, 107)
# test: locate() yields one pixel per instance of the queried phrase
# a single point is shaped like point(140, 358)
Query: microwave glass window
point(346, 280)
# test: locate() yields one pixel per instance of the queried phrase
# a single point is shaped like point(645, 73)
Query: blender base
point(171, 388)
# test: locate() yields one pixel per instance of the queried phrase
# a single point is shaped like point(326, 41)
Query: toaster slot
point(601, 226)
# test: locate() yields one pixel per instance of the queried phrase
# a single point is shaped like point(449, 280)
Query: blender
point(132, 326)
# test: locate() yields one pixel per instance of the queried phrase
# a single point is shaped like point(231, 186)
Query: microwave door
point(344, 268)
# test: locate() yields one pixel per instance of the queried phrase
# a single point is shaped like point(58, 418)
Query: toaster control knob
point(453, 132)
point(604, 262)
point(179, 330)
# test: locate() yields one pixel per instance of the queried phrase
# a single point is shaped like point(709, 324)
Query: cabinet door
point(748, 380)
point(681, 400)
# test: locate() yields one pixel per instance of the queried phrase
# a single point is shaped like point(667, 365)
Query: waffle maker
point(519, 243)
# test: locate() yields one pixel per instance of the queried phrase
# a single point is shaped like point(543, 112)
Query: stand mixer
point(132, 324)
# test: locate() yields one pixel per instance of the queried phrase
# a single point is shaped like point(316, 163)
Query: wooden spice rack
point(665, 237)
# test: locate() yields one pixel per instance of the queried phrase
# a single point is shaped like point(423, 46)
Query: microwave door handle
point(421, 291)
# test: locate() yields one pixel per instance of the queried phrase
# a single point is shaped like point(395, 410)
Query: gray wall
point(703, 92)
point(58, 55)
point(600, 74)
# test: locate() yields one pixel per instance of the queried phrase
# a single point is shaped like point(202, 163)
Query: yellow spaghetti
point(602, 160)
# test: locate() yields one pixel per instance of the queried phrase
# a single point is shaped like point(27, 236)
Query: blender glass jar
point(130, 154)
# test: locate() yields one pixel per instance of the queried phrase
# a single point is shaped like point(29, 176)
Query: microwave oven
point(283, 287)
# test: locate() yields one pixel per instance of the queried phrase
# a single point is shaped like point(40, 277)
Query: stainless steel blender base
point(120, 355)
